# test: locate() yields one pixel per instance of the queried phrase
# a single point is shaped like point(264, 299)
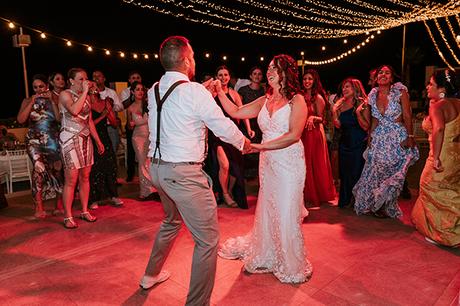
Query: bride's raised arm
point(299, 114)
point(247, 111)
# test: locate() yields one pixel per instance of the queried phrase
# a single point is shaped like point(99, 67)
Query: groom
point(177, 149)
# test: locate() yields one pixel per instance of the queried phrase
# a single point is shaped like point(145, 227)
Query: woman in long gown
point(391, 150)
point(103, 176)
point(319, 184)
point(348, 117)
point(275, 244)
point(436, 213)
point(138, 120)
point(42, 145)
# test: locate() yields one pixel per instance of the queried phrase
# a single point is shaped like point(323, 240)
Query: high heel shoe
point(229, 201)
point(87, 217)
point(69, 223)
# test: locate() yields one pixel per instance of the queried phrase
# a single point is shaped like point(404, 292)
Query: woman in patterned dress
point(76, 146)
point(391, 148)
point(42, 145)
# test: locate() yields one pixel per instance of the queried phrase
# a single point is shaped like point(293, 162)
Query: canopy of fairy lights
point(301, 19)
point(306, 19)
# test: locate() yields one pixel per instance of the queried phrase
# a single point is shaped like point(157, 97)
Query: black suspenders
point(160, 102)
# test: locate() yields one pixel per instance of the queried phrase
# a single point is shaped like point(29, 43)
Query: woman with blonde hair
point(348, 117)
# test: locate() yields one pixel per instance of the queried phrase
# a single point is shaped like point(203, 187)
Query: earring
point(442, 95)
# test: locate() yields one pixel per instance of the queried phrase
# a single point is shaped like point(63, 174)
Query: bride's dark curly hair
point(286, 67)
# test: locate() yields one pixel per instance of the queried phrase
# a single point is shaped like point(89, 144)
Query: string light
point(437, 47)
point(452, 32)
point(207, 55)
point(43, 35)
point(68, 43)
point(341, 55)
point(146, 56)
point(90, 49)
point(107, 52)
point(318, 19)
point(345, 41)
point(262, 58)
point(11, 25)
point(122, 54)
point(445, 41)
point(243, 59)
point(135, 56)
point(224, 57)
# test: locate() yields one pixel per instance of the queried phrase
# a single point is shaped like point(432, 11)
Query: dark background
point(117, 26)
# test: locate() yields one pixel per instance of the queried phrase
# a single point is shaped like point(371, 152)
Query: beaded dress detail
point(275, 244)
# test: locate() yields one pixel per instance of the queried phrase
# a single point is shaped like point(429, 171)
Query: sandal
point(87, 217)
point(40, 215)
point(229, 201)
point(69, 223)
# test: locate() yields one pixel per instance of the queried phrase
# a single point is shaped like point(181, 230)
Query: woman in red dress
point(319, 184)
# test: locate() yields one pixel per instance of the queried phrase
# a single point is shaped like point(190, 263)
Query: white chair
point(4, 179)
point(122, 152)
point(19, 168)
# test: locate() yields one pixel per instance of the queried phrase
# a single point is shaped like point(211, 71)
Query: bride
point(275, 244)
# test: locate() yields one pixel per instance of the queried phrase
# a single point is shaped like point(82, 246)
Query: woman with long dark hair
point(319, 184)
point(436, 213)
point(41, 111)
point(275, 244)
point(138, 121)
point(391, 148)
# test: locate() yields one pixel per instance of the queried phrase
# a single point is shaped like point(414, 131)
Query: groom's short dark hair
point(172, 51)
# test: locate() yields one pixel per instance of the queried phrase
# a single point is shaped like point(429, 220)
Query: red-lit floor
point(356, 260)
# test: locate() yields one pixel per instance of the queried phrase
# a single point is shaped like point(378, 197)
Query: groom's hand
point(246, 146)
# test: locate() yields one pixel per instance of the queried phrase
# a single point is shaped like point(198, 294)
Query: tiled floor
point(356, 260)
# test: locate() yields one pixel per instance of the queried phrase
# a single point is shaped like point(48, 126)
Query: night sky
point(115, 25)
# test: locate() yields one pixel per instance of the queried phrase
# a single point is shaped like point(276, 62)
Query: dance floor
point(356, 260)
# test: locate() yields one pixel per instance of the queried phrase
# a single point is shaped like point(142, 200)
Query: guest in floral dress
point(391, 148)
point(42, 145)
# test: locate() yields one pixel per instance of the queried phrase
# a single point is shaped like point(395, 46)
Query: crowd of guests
point(358, 146)
point(73, 138)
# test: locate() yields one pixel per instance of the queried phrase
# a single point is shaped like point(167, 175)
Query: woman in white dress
point(275, 244)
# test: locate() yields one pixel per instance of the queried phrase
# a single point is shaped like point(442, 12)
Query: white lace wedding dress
point(275, 244)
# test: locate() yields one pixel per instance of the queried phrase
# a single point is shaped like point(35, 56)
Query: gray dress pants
point(186, 194)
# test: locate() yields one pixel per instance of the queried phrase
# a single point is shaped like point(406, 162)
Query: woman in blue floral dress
point(42, 145)
point(391, 148)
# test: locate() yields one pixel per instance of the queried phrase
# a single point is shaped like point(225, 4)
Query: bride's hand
point(255, 148)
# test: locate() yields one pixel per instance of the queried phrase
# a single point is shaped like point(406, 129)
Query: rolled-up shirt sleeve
point(215, 120)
